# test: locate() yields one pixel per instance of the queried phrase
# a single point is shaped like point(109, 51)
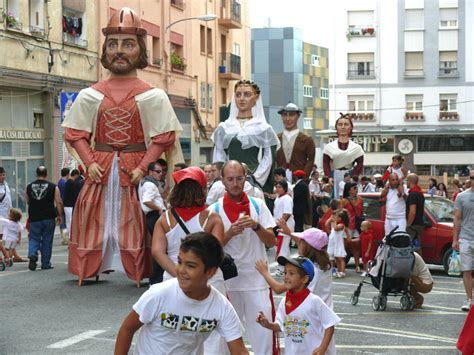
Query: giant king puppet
point(116, 128)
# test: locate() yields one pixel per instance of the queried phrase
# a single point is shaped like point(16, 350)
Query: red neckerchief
point(186, 213)
point(293, 300)
point(415, 188)
point(233, 209)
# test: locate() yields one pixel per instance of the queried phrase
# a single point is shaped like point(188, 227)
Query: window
point(308, 123)
point(223, 96)
point(324, 93)
point(36, 17)
point(445, 143)
point(204, 39)
point(203, 95)
point(236, 49)
point(414, 19)
point(372, 208)
point(37, 148)
point(307, 91)
point(414, 64)
point(447, 102)
point(156, 51)
point(315, 60)
point(360, 23)
point(360, 66)
point(210, 98)
point(12, 14)
point(361, 107)
point(74, 23)
point(38, 120)
point(414, 103)
point(448, 63)
point(448, 18)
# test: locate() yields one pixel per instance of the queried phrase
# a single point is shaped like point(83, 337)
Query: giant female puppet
point(342, 154)
point(117, 127)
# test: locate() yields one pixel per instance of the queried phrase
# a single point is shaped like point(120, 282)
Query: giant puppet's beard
point(119, 68)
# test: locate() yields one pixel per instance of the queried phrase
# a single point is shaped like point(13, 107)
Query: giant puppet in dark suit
point(297, 149)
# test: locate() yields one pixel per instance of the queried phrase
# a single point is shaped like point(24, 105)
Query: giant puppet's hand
point(136, 175)
point(95, 172)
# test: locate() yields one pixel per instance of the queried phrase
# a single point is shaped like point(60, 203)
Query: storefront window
point(6, 149)
point(37, 148)
point(451, 170)
point(445, 144)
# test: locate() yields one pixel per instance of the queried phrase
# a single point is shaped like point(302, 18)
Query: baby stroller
point(390, 272)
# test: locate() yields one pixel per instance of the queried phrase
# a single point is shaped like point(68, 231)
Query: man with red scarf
point(248, 226)
point(116, 128)
point(415, 207)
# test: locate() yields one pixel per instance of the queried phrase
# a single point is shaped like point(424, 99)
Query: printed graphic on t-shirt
point(169, 320)
point(207, 326)
point(189, 323)
point(39, 191)
point(296, 328)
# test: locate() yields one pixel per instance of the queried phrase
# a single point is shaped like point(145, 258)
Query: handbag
point(454, 264)
point(228, 267)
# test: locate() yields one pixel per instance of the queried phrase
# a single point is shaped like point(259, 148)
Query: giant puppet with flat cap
point(117, 127)
point(297, 149)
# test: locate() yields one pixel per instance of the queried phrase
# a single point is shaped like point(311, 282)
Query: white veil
point(256, 132)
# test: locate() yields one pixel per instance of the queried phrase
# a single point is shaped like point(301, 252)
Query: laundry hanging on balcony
point(72, 25)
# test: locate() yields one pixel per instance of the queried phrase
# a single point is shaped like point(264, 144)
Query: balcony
point(414, 73)
point(362, 73)
point(36, 31)
point(74, 41)
point(230, 15)
point(359, 116)
point(229, 66)
point(414, 116)
point(360, 31)
point(451, 72)
point(448, 116)
point(178, 4)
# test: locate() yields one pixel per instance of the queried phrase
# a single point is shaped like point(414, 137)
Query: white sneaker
point(466, 305)
point(364, 274)
point(340, 275)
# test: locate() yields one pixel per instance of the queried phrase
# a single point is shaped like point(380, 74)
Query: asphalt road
point(45, 312)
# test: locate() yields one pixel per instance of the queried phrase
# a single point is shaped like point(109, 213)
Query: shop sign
point(374, 144)
point(13, 134)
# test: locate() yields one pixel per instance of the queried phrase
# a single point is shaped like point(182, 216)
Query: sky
point(314, 17)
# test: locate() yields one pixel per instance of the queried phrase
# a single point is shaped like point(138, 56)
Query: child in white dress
point(338, 223)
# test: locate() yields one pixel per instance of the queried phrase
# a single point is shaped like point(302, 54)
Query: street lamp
point(208, 17)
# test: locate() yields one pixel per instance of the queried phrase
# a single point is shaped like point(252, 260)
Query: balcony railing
point(230, 16)
point(229, 66)
point(360, 31)
point(414, 73)
point(361, 74)
point(36, 31)
point(448, 72)
point(414, 116)
point(178, 3)
point(362, 116)
point(448, 116)
point(73, 40)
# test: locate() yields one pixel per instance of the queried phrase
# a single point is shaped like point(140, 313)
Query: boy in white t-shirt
point(308, 323)
point(11, 233)
point(178, 315)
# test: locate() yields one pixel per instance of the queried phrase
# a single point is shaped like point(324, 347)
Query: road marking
point(400, 347)
point(399, 332)
point(395, 334)
point(417, 313)
point(75, 339)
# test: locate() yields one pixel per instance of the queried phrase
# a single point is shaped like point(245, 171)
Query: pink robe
point(88, 222)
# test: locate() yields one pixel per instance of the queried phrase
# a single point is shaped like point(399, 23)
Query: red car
point(438, 232)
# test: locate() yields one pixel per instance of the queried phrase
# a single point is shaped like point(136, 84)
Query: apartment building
point(47, 48)
point(288, 69)
point(195, 61)
point(404, 69)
